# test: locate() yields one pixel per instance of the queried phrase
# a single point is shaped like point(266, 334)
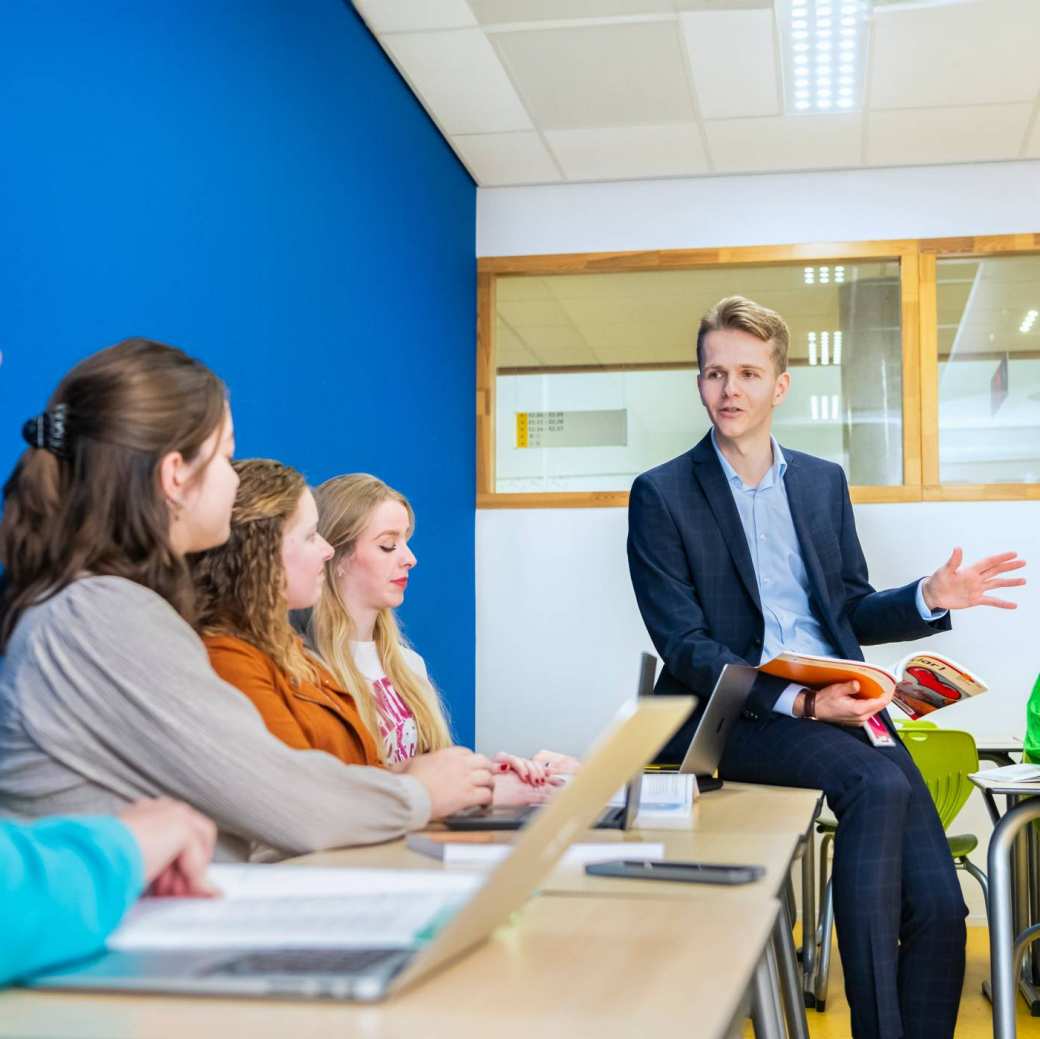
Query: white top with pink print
point(397, 727)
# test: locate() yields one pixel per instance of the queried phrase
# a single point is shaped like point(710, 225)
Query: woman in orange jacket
point(275, 561)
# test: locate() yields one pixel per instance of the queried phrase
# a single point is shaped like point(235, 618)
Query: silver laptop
point(340, 966)
point(724, 706)
point(515, 817)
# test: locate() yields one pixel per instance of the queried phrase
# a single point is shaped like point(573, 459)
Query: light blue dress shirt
point(783, 582)
point(64, 886)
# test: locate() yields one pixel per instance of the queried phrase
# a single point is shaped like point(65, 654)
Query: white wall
point(771, 209)
point(558, 631)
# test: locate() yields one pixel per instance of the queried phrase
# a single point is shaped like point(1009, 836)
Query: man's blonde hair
point(746, 315)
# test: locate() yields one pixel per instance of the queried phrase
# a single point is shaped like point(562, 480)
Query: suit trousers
point(898, 905)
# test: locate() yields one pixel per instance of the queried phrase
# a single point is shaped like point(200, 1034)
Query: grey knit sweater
point(107, 695)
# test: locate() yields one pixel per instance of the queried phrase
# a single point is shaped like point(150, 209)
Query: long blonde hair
point(240, 585)
point(345, 504)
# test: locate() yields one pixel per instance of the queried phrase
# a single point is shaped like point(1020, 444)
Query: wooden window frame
point(917, 258)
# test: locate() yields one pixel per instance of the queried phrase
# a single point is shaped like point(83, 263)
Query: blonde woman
point(353, 628)
point(275, 560)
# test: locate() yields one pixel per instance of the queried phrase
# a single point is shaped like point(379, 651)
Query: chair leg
point(808, 952)
point(825, 845)
point(970, 868)
point(825, 938)
point(821, 966)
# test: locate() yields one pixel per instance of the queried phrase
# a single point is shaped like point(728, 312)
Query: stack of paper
point(484, 854)
point(293, 906)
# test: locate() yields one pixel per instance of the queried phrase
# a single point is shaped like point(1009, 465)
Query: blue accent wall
point(252, 181)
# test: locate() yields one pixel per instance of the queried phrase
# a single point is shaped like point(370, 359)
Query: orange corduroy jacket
point(315, 715)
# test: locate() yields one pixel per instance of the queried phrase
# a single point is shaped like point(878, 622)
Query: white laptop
point(364, 946)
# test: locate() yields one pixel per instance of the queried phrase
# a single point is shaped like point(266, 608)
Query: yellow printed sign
point(521, 429)
point(572, 428)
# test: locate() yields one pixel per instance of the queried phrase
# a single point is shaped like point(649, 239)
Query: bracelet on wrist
point(809, 706)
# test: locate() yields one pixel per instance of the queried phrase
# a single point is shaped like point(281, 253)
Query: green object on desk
point(1032, 740)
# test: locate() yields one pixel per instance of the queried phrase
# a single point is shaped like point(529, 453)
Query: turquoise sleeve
point(64, 886)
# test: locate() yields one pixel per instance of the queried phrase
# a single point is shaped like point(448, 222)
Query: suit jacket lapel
point(712, 480)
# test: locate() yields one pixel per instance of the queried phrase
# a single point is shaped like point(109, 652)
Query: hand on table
point(455, 778)
point(956, 587)
point(561, 764)
point(839, 703)
point(530, 770)
point(510, 790)
point(176, 845)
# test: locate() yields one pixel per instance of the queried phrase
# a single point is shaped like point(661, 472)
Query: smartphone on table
point(685, 872)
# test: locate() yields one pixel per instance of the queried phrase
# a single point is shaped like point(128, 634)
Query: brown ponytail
point(96, 505)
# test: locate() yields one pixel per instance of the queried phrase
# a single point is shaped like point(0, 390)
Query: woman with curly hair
point(274, 561)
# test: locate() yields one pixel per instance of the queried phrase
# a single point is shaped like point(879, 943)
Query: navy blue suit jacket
point(695, 583)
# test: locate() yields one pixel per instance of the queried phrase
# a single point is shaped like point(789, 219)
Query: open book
point(935, 680)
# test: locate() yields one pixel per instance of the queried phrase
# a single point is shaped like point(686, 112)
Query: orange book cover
point(816, 672)
point(930, 680)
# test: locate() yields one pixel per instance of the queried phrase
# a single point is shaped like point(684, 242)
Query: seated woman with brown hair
point(274, 561)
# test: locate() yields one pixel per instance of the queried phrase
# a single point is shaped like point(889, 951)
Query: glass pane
point(989, 369)
point(597, 381)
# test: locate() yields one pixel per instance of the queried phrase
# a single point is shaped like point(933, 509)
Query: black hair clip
point(47, 431)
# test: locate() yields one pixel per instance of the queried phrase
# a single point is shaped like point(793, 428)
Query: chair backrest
point(945, 757)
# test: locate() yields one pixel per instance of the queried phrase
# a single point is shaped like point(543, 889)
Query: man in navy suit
point(738, 550)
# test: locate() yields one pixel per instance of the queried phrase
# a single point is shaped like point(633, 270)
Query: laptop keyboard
point(304, 961)
point(484, 812)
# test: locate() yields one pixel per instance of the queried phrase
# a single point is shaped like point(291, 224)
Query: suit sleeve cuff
point(785, 701)
point(922, 606)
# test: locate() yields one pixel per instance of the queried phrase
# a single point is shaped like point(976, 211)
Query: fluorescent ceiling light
point(824, 348)
point(824, 41)
point(824, 275)
point(1028, 321)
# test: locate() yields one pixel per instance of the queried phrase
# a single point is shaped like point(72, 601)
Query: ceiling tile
point(600, 75)
point(733, 60)
point(496, 159)
point(955, 54)
point(460, 79)
point(785, 143)
point(411, 15)
point(936, 135)
point(499, 12)
point(1033, 147)
point(629, 152)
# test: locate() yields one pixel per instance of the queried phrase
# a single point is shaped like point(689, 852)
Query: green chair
point(945, 758)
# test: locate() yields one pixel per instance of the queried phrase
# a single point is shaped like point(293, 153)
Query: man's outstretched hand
point(956, 587)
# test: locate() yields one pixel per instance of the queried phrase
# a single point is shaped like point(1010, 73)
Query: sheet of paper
point(662, 791)
point(251, 881)
point(286, 907)
point(487, 855)
point(1025, 773)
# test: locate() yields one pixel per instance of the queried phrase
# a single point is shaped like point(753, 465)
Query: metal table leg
point(766, 1015)
point(790, 977)
point(1002, 934)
